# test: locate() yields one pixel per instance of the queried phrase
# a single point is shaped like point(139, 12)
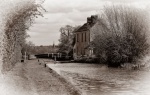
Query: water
point(100, 80)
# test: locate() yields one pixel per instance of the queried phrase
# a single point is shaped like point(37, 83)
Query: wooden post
point(55, 59)
point(25, 57)
point(60, 55)
point(52, 55)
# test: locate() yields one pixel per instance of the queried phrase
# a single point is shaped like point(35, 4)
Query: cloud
point(70, 12)
point(66, 6)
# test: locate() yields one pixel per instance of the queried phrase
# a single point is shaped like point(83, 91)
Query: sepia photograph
point(74, 47)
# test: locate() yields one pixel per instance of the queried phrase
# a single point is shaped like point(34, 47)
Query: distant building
point(83, 37)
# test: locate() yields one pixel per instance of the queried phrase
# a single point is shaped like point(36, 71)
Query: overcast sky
point(59, 13)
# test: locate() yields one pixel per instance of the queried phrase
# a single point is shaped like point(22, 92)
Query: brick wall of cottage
point(83, 37)
point(82, 41)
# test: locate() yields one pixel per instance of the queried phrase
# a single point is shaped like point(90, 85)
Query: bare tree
point(66, 39)
point(121, 35)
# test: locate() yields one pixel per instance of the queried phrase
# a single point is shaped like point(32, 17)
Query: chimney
point(94, 19)
point(89, 20)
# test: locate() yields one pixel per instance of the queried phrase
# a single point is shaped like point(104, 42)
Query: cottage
point(83, 38)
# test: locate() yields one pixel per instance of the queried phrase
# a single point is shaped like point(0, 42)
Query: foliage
point(28, 47)
point(121, 35)
point(17, 21)
point(67, 39)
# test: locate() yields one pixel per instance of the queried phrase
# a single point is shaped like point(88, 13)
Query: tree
point(67, 39)
point(28, 47)
point(121, 35)
point(17, 21)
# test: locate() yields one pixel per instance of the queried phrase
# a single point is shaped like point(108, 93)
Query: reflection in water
point(110, 81)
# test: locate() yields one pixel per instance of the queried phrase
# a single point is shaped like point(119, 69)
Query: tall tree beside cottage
point(67, 39)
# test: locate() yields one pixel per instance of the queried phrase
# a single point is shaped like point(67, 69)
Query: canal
point(92, 79)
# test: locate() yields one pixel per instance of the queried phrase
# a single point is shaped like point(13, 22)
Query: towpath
point(33, 79)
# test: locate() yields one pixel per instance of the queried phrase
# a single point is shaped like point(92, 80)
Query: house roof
point(90, 22)
point(82, 28)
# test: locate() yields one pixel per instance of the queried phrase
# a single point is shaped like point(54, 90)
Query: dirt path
point(33, 79)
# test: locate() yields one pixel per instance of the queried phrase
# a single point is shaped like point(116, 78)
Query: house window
point(77, 51)
point(89, 37)
point(77, 37)
point(85, 37)
point(82, 37)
